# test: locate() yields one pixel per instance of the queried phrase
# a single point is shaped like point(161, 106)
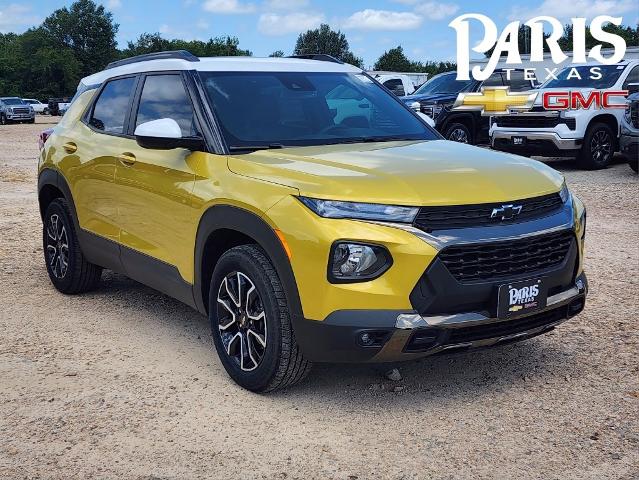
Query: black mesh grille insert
point(462, 216)
point(491, 261)
point(509, 327)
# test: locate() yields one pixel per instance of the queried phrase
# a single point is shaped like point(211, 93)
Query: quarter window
point(111, 108)
point(164, 96)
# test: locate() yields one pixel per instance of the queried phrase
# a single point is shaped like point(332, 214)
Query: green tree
point(394, 60)
point(88, 30)
point(629, 34)
point(277, 53)
point(214, 47)
point(326, 41)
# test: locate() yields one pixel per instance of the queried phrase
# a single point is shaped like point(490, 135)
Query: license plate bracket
point(521, 298)
point(519, 140)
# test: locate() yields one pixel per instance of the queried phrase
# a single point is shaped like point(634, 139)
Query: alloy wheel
point(458, 135)
point(241, 321)
point(57, 246)
point(601, 146)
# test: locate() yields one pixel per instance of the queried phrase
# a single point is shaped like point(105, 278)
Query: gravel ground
point(124, 382)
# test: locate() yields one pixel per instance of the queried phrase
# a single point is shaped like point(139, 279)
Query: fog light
point(357, 262)
point(365, 339)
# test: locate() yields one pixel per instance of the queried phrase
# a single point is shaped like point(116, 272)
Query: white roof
point(223, 64)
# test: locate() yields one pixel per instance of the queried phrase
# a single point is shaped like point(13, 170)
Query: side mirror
point(633, 88)
point(165, 134)
point(426, 118)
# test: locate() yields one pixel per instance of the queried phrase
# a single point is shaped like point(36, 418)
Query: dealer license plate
point(521, 298)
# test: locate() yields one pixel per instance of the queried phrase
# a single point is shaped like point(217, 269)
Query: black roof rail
point(177, 54)
point(322, 57)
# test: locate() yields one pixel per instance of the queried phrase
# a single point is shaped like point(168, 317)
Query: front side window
point(111, 108)
point(495, 80)
point(285, 109)
point(164, 96)
point(518, 82)
point(633, 77)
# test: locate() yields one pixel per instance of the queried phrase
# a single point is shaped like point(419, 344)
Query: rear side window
point(111, 108)
point(396, 86)
point(164, 96)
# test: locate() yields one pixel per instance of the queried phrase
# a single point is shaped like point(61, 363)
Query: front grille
point(507, 259)
point(20, 110)
point(464, 216)
point(634, 114)
point(533, 121)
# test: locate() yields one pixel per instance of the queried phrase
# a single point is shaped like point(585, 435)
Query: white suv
point(591, 135)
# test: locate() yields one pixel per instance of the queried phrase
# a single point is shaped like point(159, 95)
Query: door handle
point(70, 147)
point(126, 159)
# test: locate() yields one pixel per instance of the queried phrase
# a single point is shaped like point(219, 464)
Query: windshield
point(606, 77)
point(444, 84)
point(275, 109)
point(13, 101)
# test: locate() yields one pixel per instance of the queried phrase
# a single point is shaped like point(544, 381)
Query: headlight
point(415, 106)
point(357, 262)
point(564, 193)
point(360, 211)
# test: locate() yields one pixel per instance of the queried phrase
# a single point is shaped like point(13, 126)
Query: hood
point(431, 98)
point(436, 172)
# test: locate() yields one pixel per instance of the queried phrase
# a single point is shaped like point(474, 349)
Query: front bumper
point(629, 144)
point(404, 335)
point(536, 143)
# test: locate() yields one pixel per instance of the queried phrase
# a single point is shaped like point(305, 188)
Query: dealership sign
point(507, 43)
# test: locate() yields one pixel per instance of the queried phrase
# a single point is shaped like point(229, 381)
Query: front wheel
point(3, 119)
point(458, 132)
point(251, 323)
point(598, 147)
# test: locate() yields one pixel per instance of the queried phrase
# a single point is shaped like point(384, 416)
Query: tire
point(31, 121)
point(261, 323)
point(45, 111)
point(3, 119)
point(634, 164)
point(78, 276)
point(458, 132)
point(598, 148)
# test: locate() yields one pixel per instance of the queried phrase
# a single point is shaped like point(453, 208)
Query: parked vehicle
point(13, 109)
point(436, 98)
point(629, 141)
point(399, 84)
point(57, 106)
point(37, 105)
point(590, 135)
point(229, 184)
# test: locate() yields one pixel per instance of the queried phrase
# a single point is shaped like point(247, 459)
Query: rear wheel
point(251, 324)
point(458, 132)
point(68, 270)
point(598, 147)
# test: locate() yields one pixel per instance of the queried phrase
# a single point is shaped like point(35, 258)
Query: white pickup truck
point(397, 83)
point(590, 135)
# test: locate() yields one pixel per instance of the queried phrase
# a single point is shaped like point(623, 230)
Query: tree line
point(76, 41)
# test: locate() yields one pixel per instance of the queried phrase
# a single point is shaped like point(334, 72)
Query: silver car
point(14, 109)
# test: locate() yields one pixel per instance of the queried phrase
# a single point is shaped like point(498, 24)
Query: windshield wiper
point(252, 148)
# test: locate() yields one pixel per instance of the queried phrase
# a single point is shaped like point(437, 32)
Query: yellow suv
point(307, 211)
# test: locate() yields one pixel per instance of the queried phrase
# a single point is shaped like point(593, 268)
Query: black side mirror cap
point(160, 143)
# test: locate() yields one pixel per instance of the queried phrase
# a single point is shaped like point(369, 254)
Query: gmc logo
point(577, 100)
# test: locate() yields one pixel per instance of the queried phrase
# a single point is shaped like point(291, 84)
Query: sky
point(371, 27)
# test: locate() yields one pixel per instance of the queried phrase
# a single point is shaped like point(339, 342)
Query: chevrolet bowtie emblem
point(495, 101)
